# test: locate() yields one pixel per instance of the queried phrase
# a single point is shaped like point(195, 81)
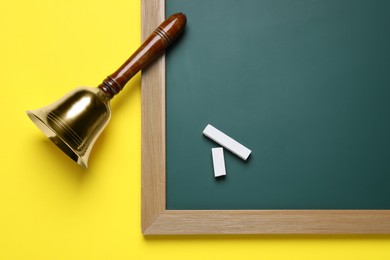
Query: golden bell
point(75, 121)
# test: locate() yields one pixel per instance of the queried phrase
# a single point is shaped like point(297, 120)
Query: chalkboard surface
point(304, 84)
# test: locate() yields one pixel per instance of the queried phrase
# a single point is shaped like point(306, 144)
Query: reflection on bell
point(75, 121)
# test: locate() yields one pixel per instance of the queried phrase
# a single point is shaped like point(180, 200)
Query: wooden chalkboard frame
point(156, 219)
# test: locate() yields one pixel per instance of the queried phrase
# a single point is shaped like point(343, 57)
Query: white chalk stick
point(227, 142)
point(218, 162)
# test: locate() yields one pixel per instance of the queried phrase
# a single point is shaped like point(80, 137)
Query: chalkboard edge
point(156, 220)
point(275, 222)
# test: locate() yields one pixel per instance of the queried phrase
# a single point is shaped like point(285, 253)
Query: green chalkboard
point(305, 84)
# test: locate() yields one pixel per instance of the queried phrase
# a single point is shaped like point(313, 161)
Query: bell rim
point(43, 127)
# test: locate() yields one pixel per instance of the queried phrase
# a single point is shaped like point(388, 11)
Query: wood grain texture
point(271, 222)
point(153, 123)
point(156, 220)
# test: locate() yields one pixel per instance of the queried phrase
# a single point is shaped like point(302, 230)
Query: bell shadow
point(57, 158)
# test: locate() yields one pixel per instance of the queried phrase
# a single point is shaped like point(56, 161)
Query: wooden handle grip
point(154, 45)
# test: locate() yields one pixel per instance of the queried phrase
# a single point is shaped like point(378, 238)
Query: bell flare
point(74, 122)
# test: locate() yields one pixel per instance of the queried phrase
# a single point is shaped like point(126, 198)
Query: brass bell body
point(75, 121)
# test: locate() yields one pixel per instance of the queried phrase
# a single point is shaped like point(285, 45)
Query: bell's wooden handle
point(154, 45)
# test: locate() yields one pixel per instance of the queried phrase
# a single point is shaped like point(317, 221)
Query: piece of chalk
point(218, 162)
point(227, 142)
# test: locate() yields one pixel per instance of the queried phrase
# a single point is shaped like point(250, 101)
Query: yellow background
point(50, 208)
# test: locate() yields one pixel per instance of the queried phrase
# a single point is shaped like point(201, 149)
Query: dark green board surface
point(305, 84)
